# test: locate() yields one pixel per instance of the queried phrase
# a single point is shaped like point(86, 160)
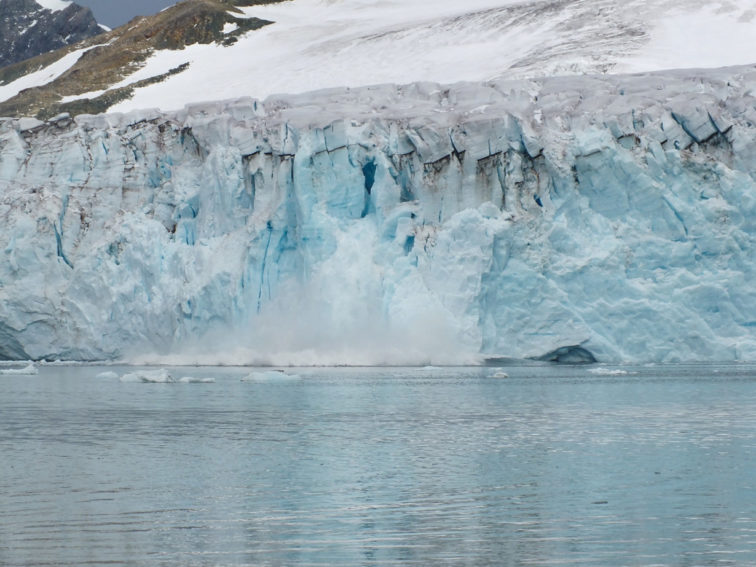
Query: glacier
point(410, 224)
point(313, 44)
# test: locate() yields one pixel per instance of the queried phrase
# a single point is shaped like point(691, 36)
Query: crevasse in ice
point(391, 224)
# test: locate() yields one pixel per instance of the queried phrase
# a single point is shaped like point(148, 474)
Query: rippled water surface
point(551, 466)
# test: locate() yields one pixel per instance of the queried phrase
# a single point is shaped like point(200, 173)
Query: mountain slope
point(313, 44)
point(29, 28)
point(40, 86)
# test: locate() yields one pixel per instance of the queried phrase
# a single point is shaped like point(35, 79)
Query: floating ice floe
point(270, 376)
point(28, 370)
point(161, 376)
point(193, 380)
point(500, 374)
point(107, 375)
point(608, 371)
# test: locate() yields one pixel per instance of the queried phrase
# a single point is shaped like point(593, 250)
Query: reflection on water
point(551, 466)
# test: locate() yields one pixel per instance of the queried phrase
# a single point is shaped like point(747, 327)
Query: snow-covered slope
point(391, 224)
point(54, 5)
point(314, 44)
point(95, 74)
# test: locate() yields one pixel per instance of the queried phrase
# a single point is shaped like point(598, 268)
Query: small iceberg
point(499, 374)
point(161, 376)
point(608, 371)
point(270, 376)
point(108, 375)
point(29, 370)
point(193, 380)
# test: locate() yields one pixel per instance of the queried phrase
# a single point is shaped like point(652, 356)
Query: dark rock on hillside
point(27, 29)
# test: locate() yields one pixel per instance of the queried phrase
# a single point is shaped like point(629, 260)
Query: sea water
point(551, 465)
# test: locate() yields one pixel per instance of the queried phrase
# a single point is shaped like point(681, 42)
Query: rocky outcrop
point(28, 29)
point(107, 60)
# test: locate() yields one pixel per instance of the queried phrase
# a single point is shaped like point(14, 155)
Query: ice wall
point(392, 224)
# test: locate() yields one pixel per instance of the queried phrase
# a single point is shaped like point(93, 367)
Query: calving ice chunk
point(390, 224)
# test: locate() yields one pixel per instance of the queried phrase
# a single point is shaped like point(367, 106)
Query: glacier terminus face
point(390, 225)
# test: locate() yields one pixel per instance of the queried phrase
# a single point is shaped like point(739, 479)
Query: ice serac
point(611, 217)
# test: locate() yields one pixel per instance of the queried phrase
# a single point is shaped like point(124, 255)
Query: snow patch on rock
point(54, 5)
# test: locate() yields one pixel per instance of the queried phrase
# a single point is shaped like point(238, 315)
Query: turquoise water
point(551, 466)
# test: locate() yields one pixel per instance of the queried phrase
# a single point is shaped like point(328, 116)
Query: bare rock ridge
point(27, 29)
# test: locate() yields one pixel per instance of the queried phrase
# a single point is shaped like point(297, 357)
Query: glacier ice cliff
point(390, 224)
